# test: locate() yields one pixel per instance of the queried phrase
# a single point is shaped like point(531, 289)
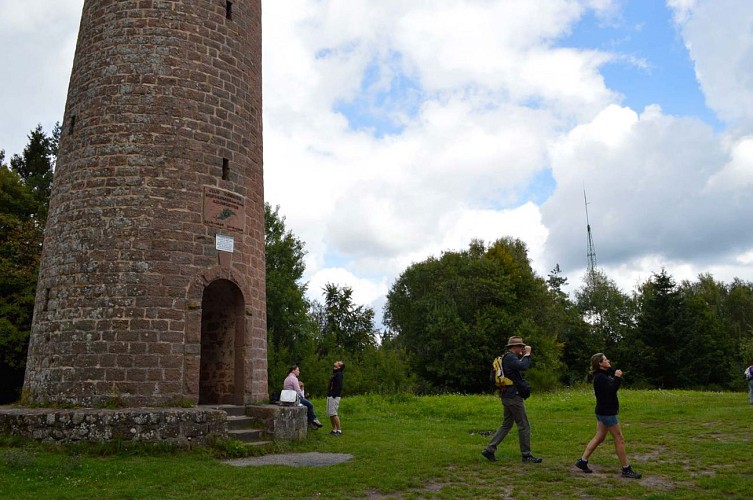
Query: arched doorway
point(221, 378)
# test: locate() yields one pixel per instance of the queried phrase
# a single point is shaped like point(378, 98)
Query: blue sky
point(654, 67)
point(381, 107)
point(651, 66)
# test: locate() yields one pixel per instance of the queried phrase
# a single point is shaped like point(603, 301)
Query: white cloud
point(737, 174)
point(645, 176)
point(500, 105)
point(746, 258)
point(36, 66)
point(484, 104)
point(365, 291)
point(717, 34)
point(682, 9)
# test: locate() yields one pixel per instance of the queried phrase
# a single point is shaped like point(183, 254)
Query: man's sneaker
point(334, 433)
point(316, 423)
point(629, 472)
point(583, 465)
point(489, 455)
point(532, 459)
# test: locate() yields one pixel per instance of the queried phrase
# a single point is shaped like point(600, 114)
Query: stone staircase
point(241, 427)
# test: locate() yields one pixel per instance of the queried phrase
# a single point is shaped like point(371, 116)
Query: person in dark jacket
point(516, 360)
point(607, 382)
point(334, 391)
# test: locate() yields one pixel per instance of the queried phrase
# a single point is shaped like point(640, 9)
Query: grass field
point(686, 444)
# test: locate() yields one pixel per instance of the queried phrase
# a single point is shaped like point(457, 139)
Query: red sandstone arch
point(221, 294)
point(221, 366)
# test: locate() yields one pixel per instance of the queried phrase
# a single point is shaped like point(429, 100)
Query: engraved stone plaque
point(223, 209)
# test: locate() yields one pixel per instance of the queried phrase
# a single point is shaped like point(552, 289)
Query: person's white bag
point(288, 397)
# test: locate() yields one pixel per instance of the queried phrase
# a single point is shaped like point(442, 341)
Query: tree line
point(445, 318)
point(25, 184)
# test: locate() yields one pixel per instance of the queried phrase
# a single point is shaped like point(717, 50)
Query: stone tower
point(152, 283)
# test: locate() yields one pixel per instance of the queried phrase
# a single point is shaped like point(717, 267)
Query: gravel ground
point(312, 459)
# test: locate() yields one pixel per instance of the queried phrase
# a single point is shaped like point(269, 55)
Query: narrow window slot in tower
point(225, 169)
point(229, 10)
point(72, 124)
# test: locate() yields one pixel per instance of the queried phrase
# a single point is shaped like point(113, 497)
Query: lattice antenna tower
point(591, 250)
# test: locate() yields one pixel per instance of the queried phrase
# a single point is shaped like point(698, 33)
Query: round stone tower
point(152, 285)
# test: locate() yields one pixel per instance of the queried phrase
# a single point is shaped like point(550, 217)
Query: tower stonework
point(152, 281)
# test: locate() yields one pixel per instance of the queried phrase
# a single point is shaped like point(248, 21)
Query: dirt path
point(312, 459)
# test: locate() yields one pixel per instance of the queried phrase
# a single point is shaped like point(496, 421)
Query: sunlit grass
point(686, 444)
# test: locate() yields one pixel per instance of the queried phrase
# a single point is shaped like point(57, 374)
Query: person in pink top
point(292, 384)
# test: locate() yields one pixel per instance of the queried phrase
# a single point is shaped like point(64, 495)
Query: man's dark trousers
point(515, 413)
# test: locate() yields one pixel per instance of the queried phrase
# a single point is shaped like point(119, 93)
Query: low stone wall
point(286, 423)
point(173, 425)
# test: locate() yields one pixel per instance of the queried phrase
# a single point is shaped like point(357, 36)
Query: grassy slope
point(686, 444)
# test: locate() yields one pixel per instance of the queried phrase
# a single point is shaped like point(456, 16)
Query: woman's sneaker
point(583, 465)
point(629, 472)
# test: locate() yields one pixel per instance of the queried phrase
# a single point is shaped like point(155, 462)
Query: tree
point(289, 326)
point(453, 314)
point(343, 326)
point(313, 335)
point(738, 317)
point(569, 328)
point(610, 318)
point(659, 335)
point(35, 166)
point(707, 337)
point(24, 196)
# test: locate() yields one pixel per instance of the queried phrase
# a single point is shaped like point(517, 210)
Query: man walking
point(516, 360)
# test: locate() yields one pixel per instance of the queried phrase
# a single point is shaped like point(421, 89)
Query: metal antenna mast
point(591, 250)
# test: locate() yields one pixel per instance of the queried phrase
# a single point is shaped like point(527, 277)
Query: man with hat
point(516, 360)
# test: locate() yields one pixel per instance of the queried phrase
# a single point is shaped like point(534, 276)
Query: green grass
point(686, 444)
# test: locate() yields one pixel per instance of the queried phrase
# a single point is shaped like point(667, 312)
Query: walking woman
point(607, 382)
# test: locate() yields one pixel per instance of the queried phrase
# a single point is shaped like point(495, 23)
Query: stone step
point(258, 443)
point(246, 435)
point(234, 410)
point(238, 422)
point(240, 426)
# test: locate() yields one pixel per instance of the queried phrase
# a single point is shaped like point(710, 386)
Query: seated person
point(291, 383)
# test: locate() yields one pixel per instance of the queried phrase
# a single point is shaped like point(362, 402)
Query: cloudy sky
point(397, 129)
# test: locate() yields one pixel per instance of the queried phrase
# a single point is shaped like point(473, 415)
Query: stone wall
point(174, 425)
point(287, 423)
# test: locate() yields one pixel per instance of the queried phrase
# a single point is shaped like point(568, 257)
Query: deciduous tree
point(289, 326)
point(453, 314)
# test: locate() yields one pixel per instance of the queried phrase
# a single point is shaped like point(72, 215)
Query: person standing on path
point(516, 360)
point(334, 390)
point(749, 377)
point(607, 382)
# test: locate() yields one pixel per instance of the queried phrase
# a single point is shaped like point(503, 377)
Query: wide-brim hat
point(515, 341)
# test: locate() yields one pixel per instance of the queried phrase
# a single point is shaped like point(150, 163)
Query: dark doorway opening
point(221, 378)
